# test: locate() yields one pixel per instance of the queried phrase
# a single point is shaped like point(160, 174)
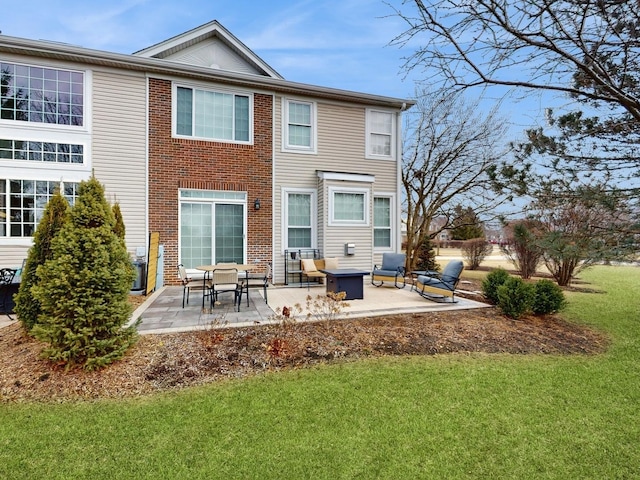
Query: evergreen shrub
point(548, 298)
point(492, 281)
point(515, 297)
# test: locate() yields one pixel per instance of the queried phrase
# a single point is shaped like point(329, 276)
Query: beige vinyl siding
point(13, 255)
point(340, 148)
point(119, 147)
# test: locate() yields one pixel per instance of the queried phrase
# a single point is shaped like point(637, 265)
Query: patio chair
point(440, 286)
point(310, 270)
point(391, 270)
point(188, 284)
point(223, 280)
point(256, 280)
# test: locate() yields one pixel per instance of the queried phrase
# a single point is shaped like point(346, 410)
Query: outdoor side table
point(348, 280)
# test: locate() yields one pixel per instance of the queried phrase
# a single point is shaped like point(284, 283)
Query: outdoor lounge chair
point(310, 270)
point(435, 286)
point(391, 270)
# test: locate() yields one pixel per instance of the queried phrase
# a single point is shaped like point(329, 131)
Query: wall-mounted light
point(256, 204)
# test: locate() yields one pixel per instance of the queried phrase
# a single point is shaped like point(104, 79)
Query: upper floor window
point(42, 95)
point(299, 131)
point(380, 134)
point(22, 203)
point(41, 151)
point(213, 115)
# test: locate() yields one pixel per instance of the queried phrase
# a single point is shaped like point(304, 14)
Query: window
point(41, 151)
point(349, 207)
point(212, 115)
point(41, 95)
point(382, 222)
point(380, 134)
point(22, 203)
point(299, 133)
point(212, 227)
point(299, 211)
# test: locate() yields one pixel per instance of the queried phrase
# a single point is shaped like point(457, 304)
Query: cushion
point(331, 263)
point(391, 261)
point(308, 265)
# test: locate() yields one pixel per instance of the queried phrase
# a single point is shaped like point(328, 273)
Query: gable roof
point(158, 66)
point(210, 45)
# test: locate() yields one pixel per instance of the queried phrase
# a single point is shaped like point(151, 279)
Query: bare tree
point(449, 159)
point(587, 49)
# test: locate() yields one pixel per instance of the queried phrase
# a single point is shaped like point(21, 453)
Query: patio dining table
point(242, 268)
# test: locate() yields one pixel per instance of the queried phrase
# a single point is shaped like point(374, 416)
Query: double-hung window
point(382, 222)
point(380, 134)
point(299, 130)
point(299, 218)
point(213, 115)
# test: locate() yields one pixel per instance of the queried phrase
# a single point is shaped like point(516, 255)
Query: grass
point(449, 416)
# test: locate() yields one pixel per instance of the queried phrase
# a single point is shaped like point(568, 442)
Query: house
point(200, 140)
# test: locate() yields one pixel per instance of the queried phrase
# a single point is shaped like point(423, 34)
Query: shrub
point(474, 251)
point(492, 281)
point(548, 298)
point(83, 290)
point(425, 257)
point(55, 214)
point(515, 297)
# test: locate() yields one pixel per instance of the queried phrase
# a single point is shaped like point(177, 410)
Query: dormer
point(213, 46)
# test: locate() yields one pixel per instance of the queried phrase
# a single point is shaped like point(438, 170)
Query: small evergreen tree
point(426, 257)
point(83, 290)
point(55, 214)
point(118, 226)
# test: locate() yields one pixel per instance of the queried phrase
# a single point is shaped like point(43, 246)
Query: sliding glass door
point(211, 232)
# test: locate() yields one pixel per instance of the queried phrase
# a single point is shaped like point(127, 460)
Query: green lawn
point(449, 416)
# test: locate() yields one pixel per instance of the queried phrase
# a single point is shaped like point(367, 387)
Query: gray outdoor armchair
point(391, 270)
point(435, 286)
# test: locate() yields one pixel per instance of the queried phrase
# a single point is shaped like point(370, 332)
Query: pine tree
point(83, 290)
point(118, 227)
point(55, 214)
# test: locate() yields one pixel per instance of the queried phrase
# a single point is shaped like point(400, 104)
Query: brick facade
point(176, 163)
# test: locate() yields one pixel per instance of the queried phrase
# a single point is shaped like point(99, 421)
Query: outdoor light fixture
point(256, 204)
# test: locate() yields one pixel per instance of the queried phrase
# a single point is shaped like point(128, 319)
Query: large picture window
point(213, 115)
point(349, 207)
point(41, 95)
point(299, 134)
point(380, 134)
point(22, 203)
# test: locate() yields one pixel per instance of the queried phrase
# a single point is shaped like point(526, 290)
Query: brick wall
point(176, 163)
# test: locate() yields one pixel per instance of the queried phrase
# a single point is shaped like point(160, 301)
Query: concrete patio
point(162, 312)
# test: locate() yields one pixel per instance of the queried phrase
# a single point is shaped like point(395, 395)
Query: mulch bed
point(169, 361)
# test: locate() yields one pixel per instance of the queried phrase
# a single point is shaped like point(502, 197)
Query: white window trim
point(285, 215)
point(392, 221)
point(208, 88)
point(352, 223)
point(285, 127)
point(211, 201)
point(369, 132)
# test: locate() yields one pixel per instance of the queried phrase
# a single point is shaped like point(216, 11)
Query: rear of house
point(198, 139)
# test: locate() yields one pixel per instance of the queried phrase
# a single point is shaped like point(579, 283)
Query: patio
point(162, 312)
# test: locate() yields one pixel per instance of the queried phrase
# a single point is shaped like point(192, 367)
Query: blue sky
point(334, 43)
